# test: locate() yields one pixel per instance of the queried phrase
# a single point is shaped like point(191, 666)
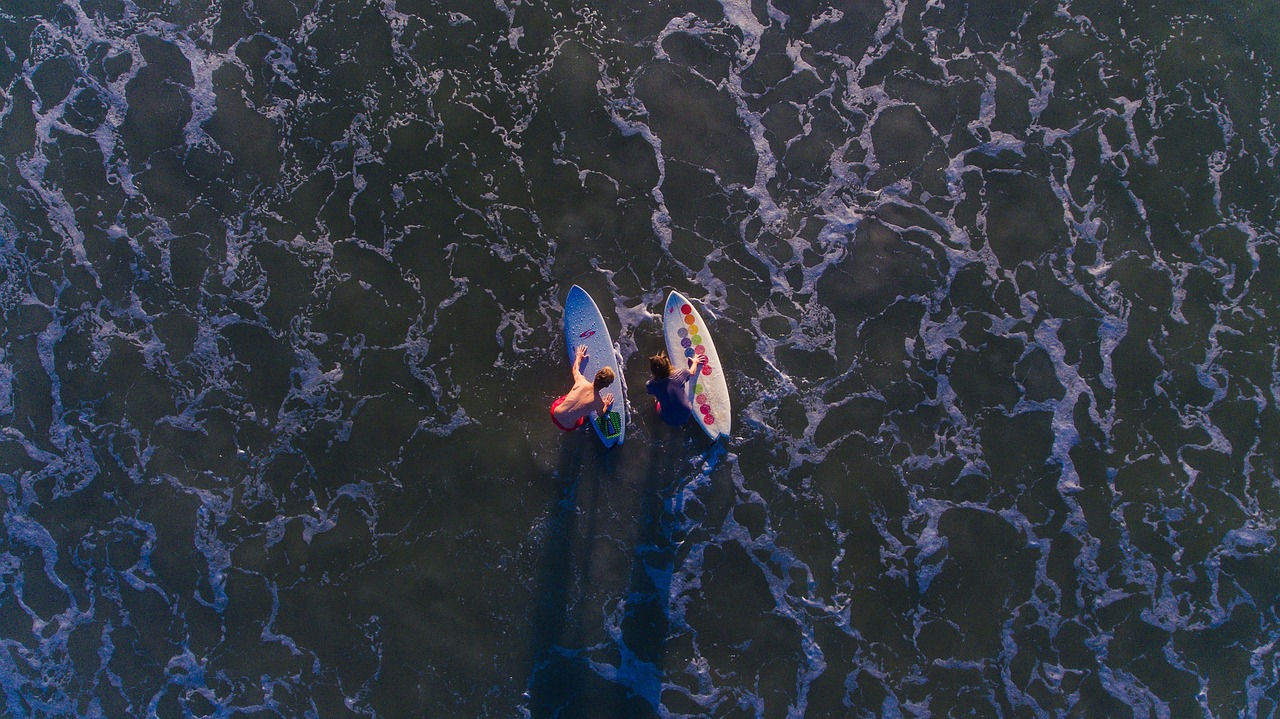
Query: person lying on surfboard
point(670, 388)
point(570, 411)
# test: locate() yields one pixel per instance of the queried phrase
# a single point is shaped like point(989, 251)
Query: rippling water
point(996, 286)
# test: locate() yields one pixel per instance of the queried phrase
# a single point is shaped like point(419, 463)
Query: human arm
point(681, 377)
point(579, 357)
point(699, 361)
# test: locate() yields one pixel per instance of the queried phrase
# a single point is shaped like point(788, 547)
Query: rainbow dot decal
point(686, 309)
point(688, 319)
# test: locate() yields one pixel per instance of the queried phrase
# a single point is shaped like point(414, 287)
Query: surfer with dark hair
point(669, 388)
point(570, 411)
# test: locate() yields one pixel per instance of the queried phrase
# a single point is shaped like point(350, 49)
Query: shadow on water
point(604, 498)
point(561, 681)
point(645, 620)
point(555, 572)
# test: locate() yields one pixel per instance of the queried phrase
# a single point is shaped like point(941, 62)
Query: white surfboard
point(687, 336)
point(584, 325)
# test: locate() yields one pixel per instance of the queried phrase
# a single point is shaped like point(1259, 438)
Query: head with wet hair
point(660, 366)
point(604, 378)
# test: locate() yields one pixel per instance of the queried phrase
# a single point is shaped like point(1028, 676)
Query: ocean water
point(996, 287)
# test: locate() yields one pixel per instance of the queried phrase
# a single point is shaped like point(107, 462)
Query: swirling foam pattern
point(996, 286)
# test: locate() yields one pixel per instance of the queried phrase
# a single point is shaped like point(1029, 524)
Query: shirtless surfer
point(570, 411)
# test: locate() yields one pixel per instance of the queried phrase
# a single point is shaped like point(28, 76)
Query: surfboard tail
point(611, 426)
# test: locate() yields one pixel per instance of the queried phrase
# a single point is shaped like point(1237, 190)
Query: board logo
point(586, 334)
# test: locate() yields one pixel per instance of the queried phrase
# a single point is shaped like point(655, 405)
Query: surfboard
point(584, 325)
point(687, 335)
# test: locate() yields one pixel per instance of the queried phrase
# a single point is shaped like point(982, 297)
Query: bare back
point(578, 403)
point(582, 399)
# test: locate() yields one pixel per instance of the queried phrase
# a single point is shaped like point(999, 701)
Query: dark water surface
point(996, 286)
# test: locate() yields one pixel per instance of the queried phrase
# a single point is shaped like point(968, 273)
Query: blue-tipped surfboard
point(584, 325)
point(687, 336)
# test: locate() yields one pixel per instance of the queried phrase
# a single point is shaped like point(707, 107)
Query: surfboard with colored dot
point(687, 336)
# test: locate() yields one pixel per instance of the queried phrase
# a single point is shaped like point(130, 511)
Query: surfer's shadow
point(576, 577)
point(608, 498)
point(674, 457)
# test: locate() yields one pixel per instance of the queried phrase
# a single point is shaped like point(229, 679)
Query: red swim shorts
point(557, 423)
